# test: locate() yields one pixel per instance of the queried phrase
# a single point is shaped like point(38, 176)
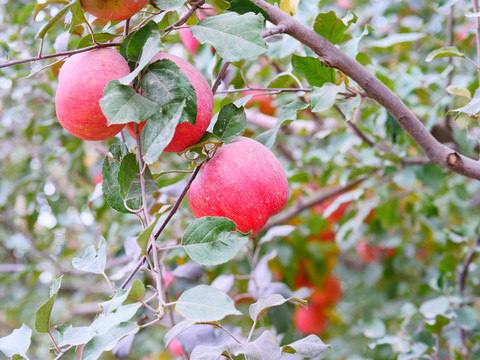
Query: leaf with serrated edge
point(210, 240)
point(258, 308)
point(121, 104)
point(176, 330)
point(204, 304)
point(231, 123)
point(42, 315)
point(91, 261)
point(309, 347)
point(235, 37)
point(17, 342)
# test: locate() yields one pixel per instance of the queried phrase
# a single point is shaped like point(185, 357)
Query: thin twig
point(58, 54)
point(266, 90)
point(221, 75)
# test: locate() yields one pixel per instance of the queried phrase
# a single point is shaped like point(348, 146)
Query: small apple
point(113, 10)
point(263, 101)
point(244, 182)
point(310, 321)
point(82, 80)
point(371, 253)
point(187, 134)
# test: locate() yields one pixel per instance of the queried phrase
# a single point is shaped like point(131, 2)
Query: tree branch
point(375, 89)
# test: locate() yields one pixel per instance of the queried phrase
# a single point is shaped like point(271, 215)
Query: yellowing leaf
point(285, 6)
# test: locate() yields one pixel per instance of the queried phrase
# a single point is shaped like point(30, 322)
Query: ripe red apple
point(187, 134)
point(113, 10)
point(310, 321)
point(80, 87)
point(185, 34)
point(244, 182)
point(328, 293)
point(263, 101)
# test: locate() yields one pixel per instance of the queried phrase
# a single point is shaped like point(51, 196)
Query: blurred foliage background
point(397, 240)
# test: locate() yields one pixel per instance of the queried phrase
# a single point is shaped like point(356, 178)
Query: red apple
point(80, 87)
point(244, 182)
point(328, 293)
point(188, 40)
point(337, 214)
point(371, 253)
point(311, 320)
point(113, 10)
point(263, 101)
point(175, 347)
point(187, 134)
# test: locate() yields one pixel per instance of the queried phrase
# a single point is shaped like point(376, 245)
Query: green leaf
point(76, 336)
point(309, 347)
point(40, 7)
point(205, 304)
point(168, 4)
point(459, 91)
point(287, 114)
point(87, 41)
point(91, 261)
point(107, 341)
point(473, 107)
point(391, 40)
point(246, 6)
point(159, 131)
point(447, 51)
point(264, 347)
point(331, 27)
point(311, 68)
point(258, 308)
point(235, 37)
point(231, 123)
point(144, 237)
point(128, 170)
point(17, 342)
point(205, 352)
point(324, 98)
point(350, 47)
point(106, 321)
point(132, 46)
point(121, 104)
point(165, 84)
point(348, 106)
point(137, 290)
point(110, 185)
point(210, 240)
point(118, 299)
point(176, 330)
point(466, 317)
point(42, 315)
point(219, 4)
point(431, 308)
point(54, 21)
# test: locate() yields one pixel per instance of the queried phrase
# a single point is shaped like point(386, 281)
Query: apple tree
point(241, 179)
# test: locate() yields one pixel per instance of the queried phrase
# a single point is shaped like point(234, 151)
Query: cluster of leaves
point(412, 305)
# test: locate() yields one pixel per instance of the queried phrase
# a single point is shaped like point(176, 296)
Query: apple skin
point(328, 293)
point(244, 182)
point(310, 321)
point(82, 80)
point(337, 214)
point(175, 347)
point(187, 134)
point(113, 10)
point(188, 40)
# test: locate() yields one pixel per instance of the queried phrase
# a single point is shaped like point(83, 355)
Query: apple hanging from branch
point(82, 80)
point(113, 10)
point(244, 182)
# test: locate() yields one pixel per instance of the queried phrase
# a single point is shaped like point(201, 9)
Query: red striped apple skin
point(244, 182)
point(82, 80)
point(113, 10)
point(187, 134)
